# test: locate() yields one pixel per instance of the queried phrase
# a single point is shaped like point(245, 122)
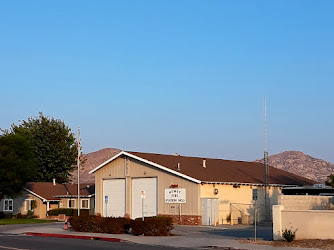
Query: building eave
point(106, 162)
point(38, 196)
point(147, 162)
point(247, 184)
point(72, 196)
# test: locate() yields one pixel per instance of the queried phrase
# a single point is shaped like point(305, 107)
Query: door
point(114, 198)
point(144, 206)
point(210, 211)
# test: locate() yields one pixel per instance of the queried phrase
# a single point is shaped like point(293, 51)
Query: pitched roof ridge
point(193, 157)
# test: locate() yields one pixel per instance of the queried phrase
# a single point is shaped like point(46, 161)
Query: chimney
point(54, 181)
point(204, 163)
point(178, 167)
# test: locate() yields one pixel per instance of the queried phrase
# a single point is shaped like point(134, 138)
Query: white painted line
point(12, 235)
point(13, 248)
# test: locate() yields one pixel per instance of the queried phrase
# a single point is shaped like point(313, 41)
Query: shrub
point(2, 215)
point(30, 215)
point(68, 211)
point(152, 226)
point(289, 235)
point(96, 224)
point(20, 216)
point(228, 217)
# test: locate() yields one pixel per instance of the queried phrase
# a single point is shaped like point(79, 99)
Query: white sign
point(106, 199)
point(175, 195)
point(143, 194)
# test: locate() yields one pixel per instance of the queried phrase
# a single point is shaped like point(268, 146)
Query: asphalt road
point(15, 242)
point(225, 232)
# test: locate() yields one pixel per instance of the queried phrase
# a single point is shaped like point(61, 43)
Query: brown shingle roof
point(49, 191)
point(218, 170)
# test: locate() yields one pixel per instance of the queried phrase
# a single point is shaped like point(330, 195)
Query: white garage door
point(149, 205)
point(114, 190)
point(210, 211)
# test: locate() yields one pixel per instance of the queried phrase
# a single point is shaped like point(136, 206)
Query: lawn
point(23, 221)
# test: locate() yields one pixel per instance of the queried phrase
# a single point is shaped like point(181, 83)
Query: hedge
point(152, 226)
point(96, 224)
point(68, 211)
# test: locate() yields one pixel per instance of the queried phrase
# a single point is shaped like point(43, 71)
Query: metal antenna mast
point(266, 168)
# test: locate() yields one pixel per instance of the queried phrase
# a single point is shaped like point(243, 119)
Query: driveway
point(224, 232)
point(52, 227)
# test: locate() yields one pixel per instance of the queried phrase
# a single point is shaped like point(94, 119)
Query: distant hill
point(302, 164)
point(91, 161)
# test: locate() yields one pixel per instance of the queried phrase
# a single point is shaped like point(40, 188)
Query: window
point(28, 205)
point(8, 205)
point(71, 203)
point(85, 204)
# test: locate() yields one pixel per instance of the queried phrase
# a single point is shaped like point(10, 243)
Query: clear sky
point(174, 76)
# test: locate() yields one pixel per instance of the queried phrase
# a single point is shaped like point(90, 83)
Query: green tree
point(17, 165)
point(330, 180)
point(54, 147)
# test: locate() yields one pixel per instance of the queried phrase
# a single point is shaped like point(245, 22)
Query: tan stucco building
point(192, 190)
point(41, 197)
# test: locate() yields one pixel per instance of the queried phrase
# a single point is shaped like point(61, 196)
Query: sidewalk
point(187, 236)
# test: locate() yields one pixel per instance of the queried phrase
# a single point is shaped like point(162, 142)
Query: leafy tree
point(330, 180)
point(54, 147)
point(17, 165)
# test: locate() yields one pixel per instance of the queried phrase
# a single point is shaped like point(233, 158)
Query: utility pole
point(78, 165)
point(266, 168)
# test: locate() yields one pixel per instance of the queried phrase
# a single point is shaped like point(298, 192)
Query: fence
point(242, 213)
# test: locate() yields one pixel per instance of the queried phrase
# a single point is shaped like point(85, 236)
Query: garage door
point(148, 205)
point(114, 194)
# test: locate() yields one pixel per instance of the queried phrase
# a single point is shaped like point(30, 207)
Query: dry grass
point(321, 244)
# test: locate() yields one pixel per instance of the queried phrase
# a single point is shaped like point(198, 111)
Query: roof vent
point(176, 154)
point(54, 181)
point(87, 186)
point(204, 163)
point(178, 167)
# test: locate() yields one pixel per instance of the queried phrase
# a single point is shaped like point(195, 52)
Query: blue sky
point(174, 76)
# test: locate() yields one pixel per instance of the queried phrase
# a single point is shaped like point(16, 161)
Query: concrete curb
point(71, 236)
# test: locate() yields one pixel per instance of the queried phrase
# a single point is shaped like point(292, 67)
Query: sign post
point(255, 211)
point(106, 202)
point(142, 203)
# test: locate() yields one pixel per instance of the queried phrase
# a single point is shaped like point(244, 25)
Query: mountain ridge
point(301, 164)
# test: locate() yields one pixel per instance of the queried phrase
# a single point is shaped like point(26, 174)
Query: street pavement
point(183, 236)
point(22, 242)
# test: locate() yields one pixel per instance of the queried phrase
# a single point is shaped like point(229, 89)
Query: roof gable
point(47, 191)
point(148, 162)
